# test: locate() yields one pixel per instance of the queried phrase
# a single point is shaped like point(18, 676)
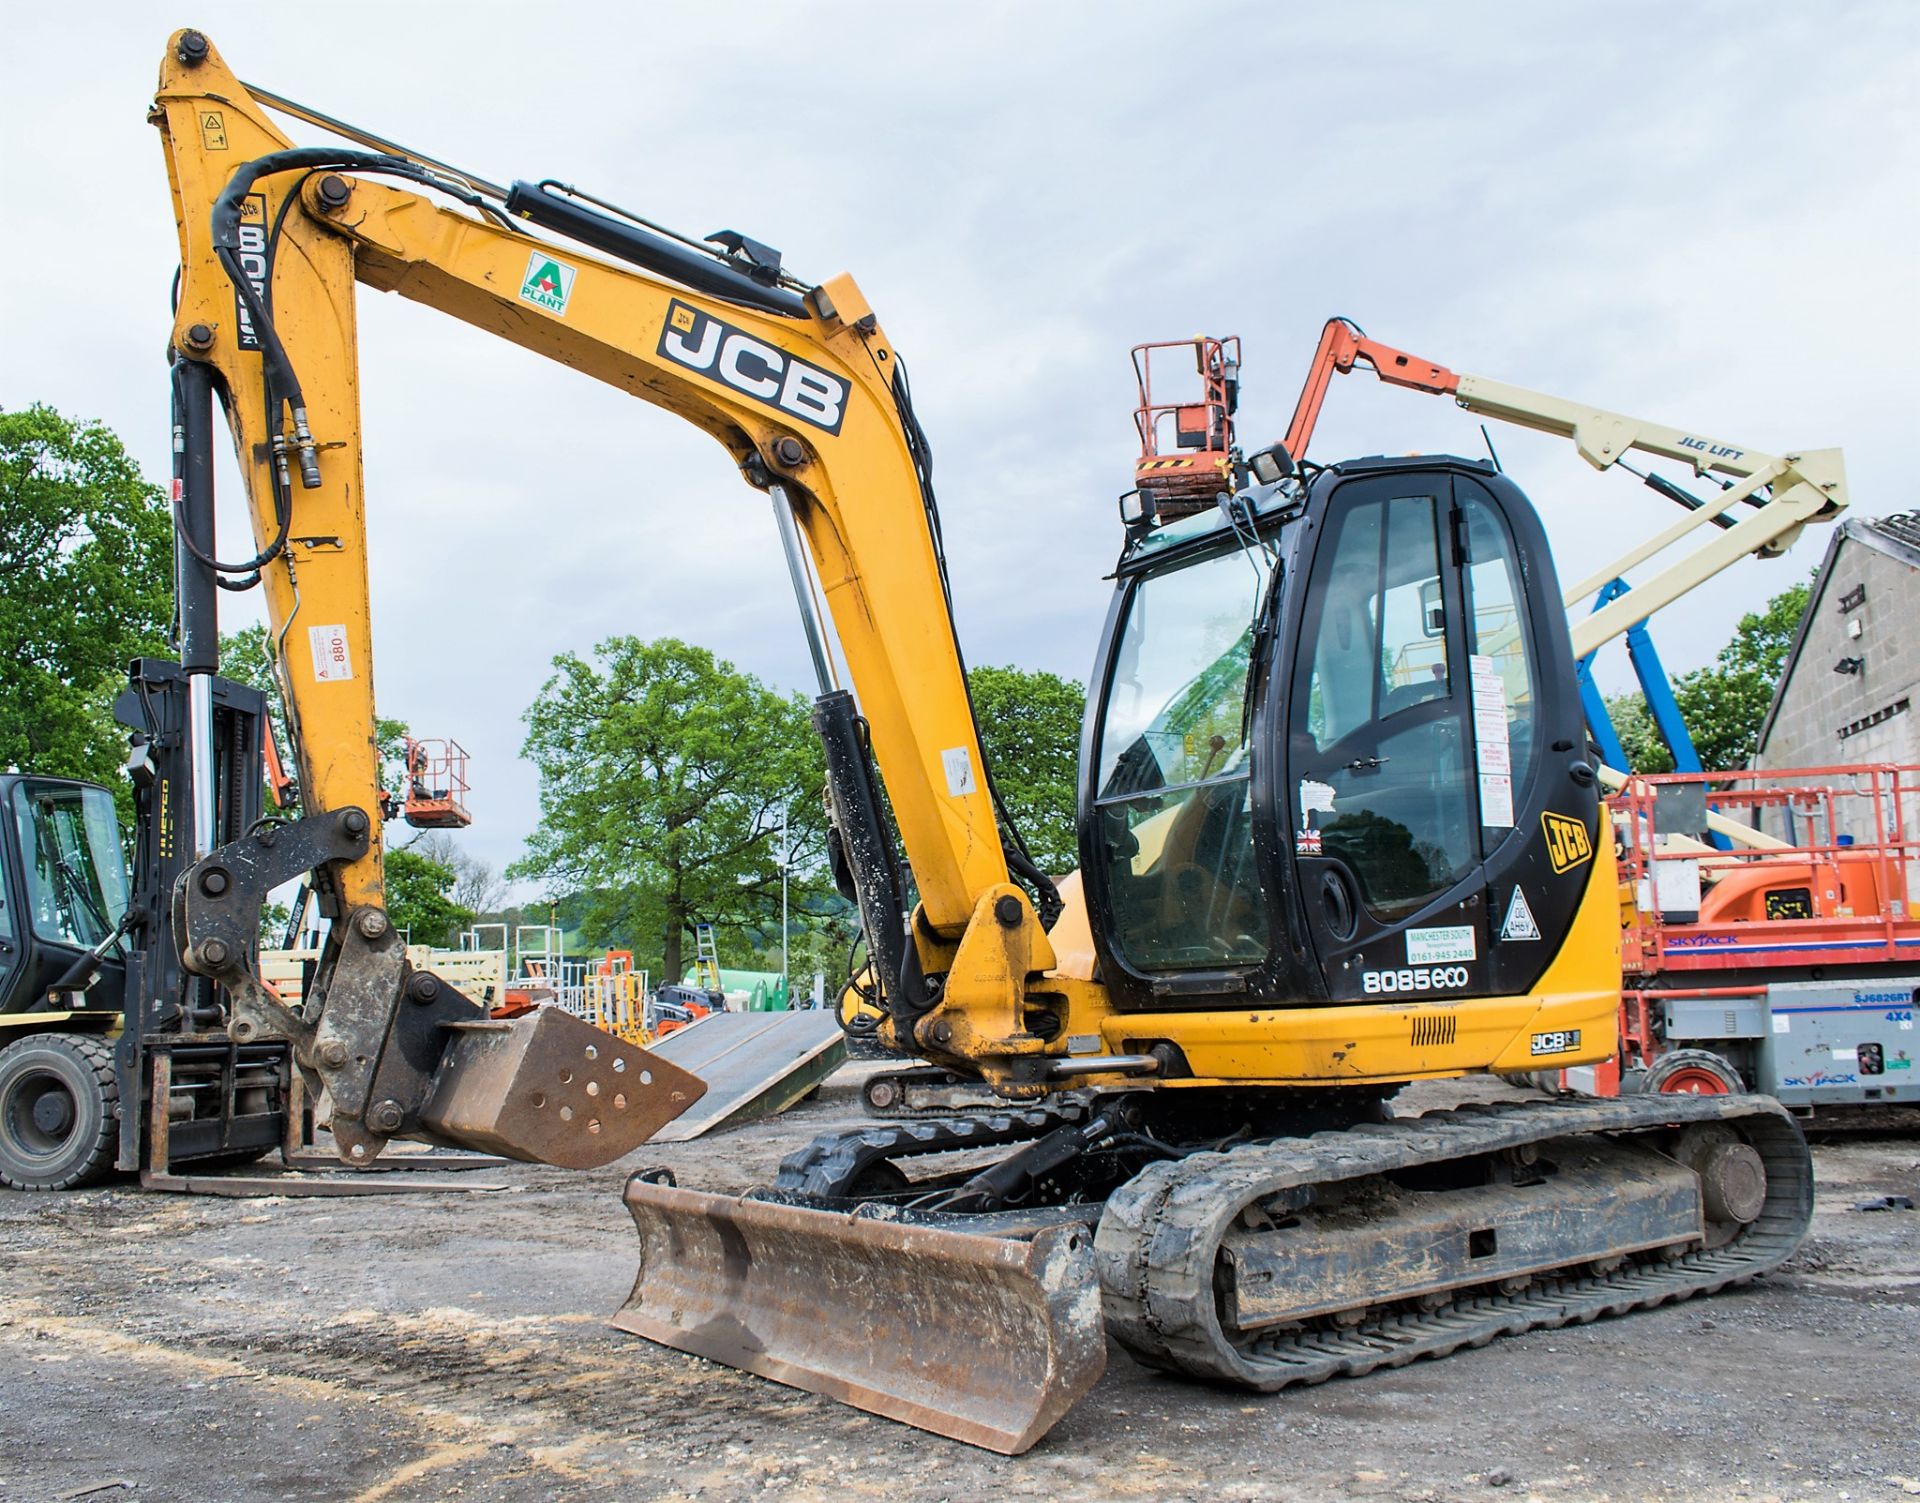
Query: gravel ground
point(166, 1347)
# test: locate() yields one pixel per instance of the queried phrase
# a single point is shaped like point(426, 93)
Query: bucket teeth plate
point(986, 1340)
point(551, 1089)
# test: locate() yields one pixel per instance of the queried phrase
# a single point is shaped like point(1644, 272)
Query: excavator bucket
point(988, 1340)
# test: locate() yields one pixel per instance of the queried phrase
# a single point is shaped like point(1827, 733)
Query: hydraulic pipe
point(196, 591)
point(858, 816)
point(704, 273)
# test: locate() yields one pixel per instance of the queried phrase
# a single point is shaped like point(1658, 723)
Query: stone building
point(1851, 677)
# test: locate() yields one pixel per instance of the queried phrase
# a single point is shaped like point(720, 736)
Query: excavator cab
point(1326, 720)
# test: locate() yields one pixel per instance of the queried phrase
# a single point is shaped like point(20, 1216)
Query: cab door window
point(9, 943)
point(76, 873)
point(1379, 743)
point(1505, 675)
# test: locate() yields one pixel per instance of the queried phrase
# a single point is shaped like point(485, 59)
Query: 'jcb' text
point(753, 367)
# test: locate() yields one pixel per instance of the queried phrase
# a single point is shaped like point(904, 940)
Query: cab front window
point(76, 871)
point(1172, 790)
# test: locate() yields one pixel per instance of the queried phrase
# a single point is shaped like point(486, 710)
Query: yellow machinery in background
point(1313, 798)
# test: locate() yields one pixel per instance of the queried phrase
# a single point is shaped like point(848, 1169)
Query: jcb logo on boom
point(703, 343)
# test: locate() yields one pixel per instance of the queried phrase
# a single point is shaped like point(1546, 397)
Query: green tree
point(273, 924)
point(663, 773)
point(1030, 724)
point(1722, 705)
point(819, 938)
point(420, 899)
point(86, 585)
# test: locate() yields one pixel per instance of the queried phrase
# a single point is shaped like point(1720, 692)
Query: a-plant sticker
point(548, 283)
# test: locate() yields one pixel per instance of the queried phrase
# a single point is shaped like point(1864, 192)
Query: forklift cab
point(63, 892)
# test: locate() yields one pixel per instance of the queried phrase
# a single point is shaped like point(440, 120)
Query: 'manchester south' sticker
point(1568, 844)
point(752, 367)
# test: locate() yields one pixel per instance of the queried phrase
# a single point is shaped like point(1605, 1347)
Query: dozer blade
point(984, 1339)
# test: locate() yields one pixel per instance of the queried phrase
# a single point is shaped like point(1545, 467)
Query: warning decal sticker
point(1520, 922)
point(958, 766)
point(332, 663)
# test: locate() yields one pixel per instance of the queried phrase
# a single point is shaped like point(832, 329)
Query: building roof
point(1897, 536)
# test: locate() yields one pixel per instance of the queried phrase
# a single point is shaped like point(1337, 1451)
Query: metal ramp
point(755, 1064)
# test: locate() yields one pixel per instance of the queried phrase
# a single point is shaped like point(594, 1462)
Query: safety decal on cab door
point(752, 367)
point(1520, 922)
point(1568, 844)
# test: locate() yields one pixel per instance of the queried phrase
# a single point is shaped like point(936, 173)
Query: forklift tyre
point(59, 1111)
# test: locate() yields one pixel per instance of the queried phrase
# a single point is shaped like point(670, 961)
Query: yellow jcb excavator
point(1333, 735)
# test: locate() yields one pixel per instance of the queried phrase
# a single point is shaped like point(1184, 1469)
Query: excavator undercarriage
point(1266, 1262)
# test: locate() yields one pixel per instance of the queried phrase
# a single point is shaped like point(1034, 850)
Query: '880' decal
point(1440, 978)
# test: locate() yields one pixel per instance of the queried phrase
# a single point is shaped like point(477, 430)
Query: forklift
point(114, 1057)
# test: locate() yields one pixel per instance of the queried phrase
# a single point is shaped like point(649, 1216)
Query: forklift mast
point(227, 1097)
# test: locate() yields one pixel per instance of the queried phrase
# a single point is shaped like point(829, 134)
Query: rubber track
point(1158, 1241)
point(829, 1165)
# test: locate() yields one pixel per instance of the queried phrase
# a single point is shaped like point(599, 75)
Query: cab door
point(1412, 745)
point(10, 931)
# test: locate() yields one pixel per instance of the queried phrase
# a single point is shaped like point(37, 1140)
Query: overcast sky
point(1700, 214)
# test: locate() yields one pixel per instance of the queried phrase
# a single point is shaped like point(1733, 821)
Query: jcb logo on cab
point(1568, 844)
